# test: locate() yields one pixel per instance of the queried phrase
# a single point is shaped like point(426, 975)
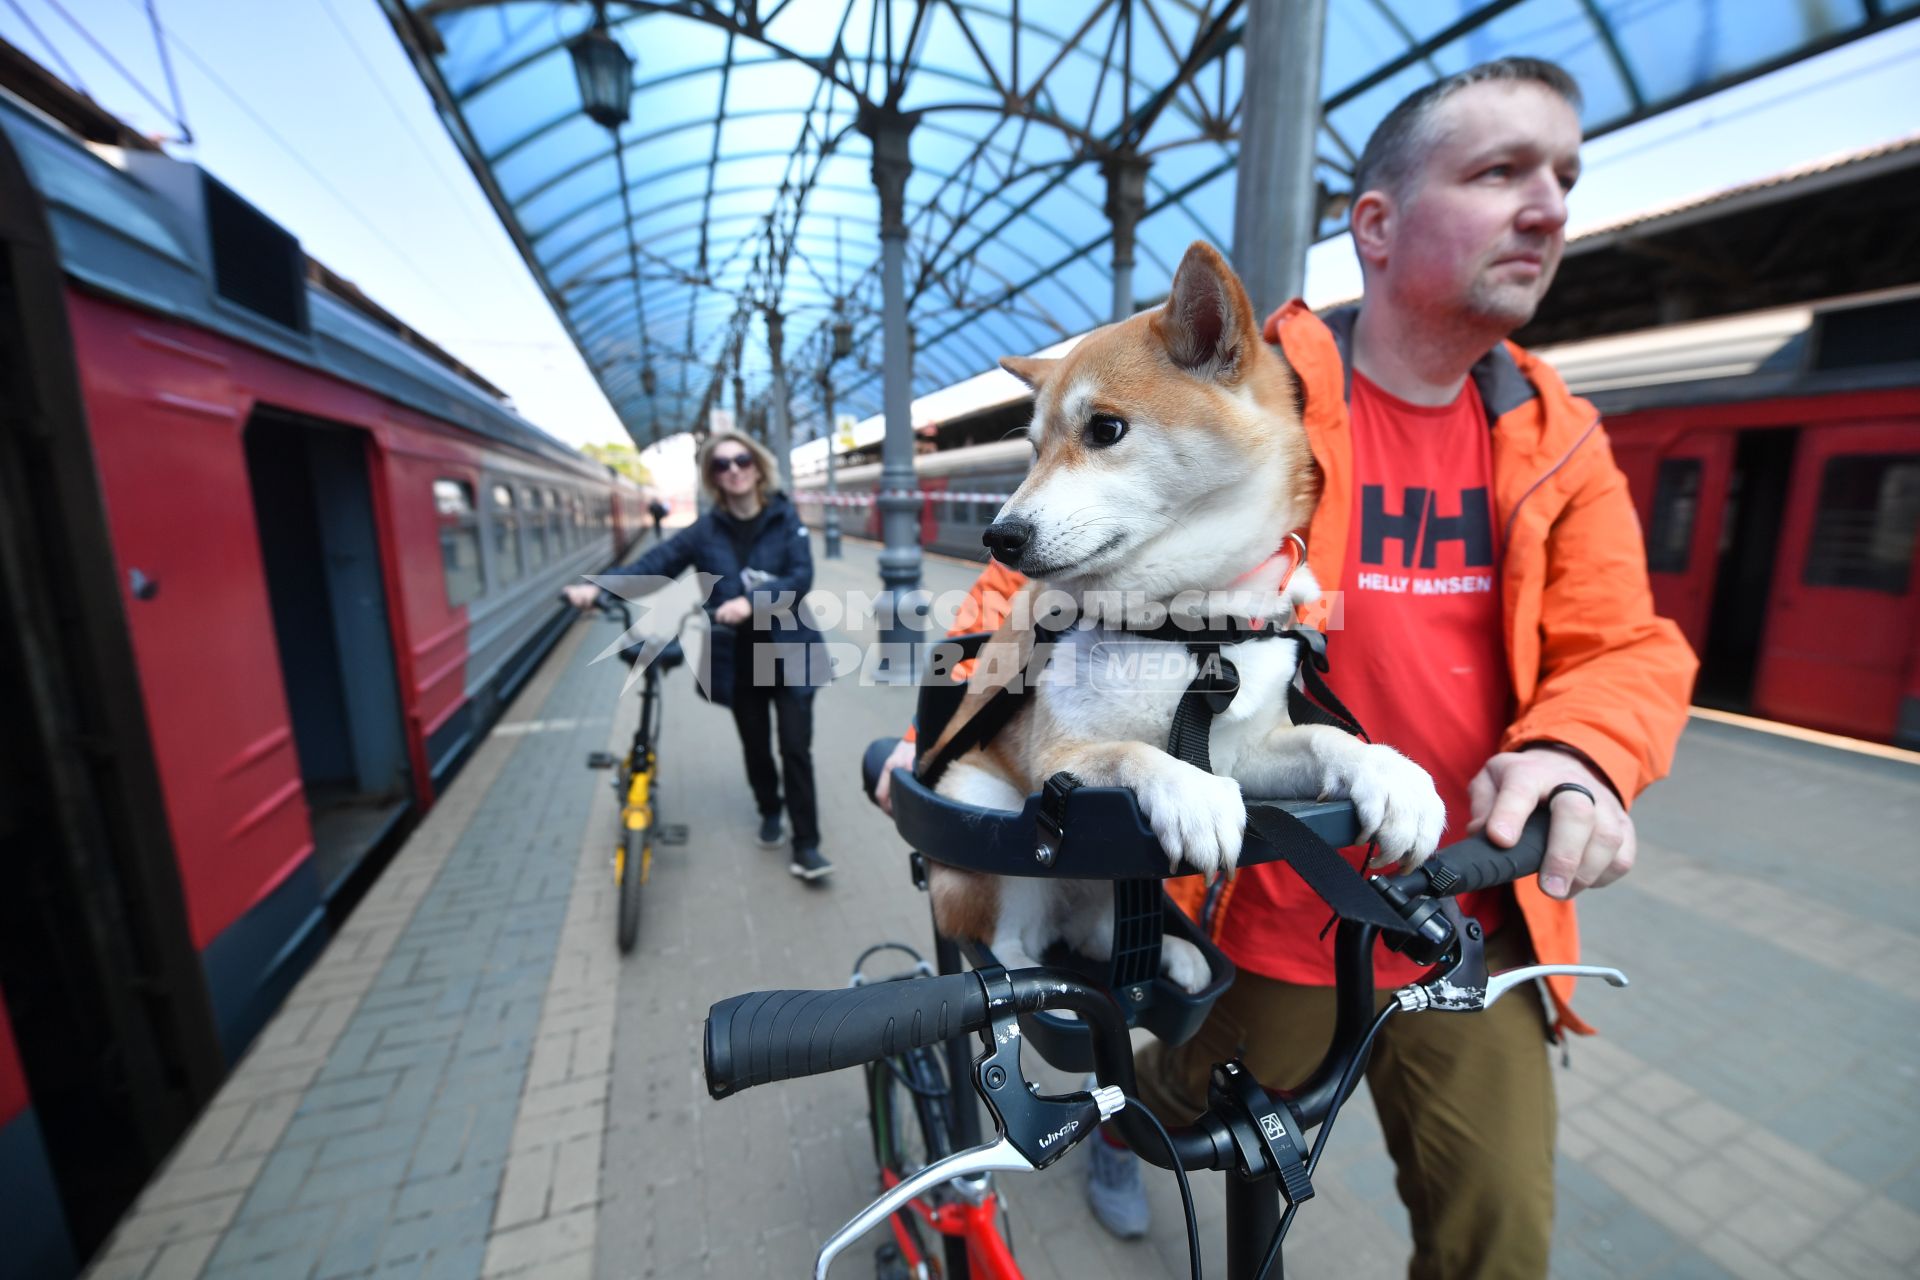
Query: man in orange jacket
point(1498, 629)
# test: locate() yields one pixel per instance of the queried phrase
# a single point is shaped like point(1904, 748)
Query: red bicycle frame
point(977, 1225)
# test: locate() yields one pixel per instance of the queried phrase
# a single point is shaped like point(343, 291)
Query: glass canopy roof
point(748, 185)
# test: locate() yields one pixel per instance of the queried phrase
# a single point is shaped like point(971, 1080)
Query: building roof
point(744, 178)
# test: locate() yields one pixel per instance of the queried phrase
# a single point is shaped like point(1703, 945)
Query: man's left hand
point(1588, 844)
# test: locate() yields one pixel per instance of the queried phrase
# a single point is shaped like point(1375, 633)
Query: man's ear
point(1371, 221)
point(1207, 322)
point(1029, 369)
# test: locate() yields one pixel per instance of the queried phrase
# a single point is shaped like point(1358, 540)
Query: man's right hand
point(902, 758)
point(581, 595)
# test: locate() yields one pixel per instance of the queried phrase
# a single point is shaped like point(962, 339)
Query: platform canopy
point(743, 181)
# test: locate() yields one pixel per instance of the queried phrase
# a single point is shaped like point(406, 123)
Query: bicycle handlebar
point(764, 1036)
point(1477, 863)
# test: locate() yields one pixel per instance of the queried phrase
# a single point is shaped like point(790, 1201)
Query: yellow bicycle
point(636, 779)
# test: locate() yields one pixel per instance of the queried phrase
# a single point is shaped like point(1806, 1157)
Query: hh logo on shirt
point(1421, 531)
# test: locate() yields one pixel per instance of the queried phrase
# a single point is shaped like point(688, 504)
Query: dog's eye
point(1104, 430)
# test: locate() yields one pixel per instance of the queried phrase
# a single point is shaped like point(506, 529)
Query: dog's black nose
point(1006, 539)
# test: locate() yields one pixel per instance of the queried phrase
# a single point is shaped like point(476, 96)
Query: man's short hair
point(1392, 155)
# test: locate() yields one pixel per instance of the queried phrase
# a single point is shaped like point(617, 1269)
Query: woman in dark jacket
point(752, 541)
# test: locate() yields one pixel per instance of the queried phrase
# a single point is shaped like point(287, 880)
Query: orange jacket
point(1592, 666)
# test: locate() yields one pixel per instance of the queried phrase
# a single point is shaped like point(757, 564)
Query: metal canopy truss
point(744, 183)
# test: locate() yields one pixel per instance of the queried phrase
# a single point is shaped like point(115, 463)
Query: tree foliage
point(623, 458)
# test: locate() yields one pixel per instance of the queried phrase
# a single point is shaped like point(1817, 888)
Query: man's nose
point(1546, 206)
point(1007, 538)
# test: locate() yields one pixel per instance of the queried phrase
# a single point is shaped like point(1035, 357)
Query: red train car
point(271, 565)
point(1775, 461)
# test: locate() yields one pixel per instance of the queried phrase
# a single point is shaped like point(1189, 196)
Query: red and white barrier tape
point(916, 495)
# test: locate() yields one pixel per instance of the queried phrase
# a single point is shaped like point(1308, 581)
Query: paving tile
point(477, 1006)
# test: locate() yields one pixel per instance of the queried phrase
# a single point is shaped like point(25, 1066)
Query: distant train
point(1774, 459)
point(271, 565)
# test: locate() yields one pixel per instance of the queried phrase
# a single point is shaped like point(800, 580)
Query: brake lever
point(1450, 997)
point(1465, 986)
point(998, 1156)
point(1030, 1131)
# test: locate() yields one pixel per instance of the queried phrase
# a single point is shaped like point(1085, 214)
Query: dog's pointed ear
point(1207, 323)
point(1029, 369)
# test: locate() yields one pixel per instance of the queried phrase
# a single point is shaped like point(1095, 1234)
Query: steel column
point(899, 513)
point(830, 522)
point(1276, 204)
point(779, 429)
point(1126, 174)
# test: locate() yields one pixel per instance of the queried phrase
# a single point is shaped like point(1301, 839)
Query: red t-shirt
point(1420, 658)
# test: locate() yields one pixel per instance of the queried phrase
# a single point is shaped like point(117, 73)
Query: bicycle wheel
point(907, 1116)
point(635, 856)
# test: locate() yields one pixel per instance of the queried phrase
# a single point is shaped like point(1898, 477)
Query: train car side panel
point(37, 1243)
point(1839, 647)
point(166, 414)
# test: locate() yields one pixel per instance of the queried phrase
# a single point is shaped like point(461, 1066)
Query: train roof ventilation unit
point(257, 263)
point(1858, 337)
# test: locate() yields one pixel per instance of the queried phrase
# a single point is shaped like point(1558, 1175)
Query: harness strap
point(1318, 704)
point(993, 716)
point(1328, 874)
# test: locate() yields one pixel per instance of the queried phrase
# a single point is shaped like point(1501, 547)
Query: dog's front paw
point(1198, 817)
point(1397, 806)
point(1184, 964)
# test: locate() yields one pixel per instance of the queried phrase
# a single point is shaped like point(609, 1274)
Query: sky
point(312, 111)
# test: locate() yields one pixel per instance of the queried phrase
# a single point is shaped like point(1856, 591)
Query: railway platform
point(471, 1082)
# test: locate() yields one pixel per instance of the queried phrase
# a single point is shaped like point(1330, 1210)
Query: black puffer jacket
point(776, 544)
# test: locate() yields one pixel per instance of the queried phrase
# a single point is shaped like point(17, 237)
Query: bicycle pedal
point(670, 833)
point(602, 760)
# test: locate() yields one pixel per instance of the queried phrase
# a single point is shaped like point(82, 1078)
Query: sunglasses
point(720, 466)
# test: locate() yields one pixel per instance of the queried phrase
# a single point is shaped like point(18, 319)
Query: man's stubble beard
point(1507, 306)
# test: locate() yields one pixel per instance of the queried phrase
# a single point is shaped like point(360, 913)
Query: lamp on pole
point(839, 347)
point(830, 522)
point(604, 71)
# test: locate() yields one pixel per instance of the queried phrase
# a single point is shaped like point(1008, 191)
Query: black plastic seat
point(666, 659)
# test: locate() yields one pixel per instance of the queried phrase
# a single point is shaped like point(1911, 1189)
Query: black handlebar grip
point(764, 1036)
point(1474, 863)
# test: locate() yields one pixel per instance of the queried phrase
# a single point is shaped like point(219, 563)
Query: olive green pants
point(1465, 1100)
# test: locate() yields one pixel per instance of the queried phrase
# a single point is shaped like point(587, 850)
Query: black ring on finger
point(1572, 786)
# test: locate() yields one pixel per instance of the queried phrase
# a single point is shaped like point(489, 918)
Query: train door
point(1845, 607)
point(1683, 520)
point(319, 542)
point(1743, 563)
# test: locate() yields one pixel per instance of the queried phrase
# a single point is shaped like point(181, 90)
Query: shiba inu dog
point(1168, 458)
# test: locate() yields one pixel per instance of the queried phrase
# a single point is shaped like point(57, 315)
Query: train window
point(508, 560)
point(459, 540)
point(1676, 501)
point(556, 521)
point(536, 526)
point(1864, 527)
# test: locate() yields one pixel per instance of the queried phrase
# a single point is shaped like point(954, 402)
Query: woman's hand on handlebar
point(581, 595)
point(733, 612)
point(902, 758)
point(1590, 843)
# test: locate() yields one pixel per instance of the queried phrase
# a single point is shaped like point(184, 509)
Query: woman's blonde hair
point(769, 478)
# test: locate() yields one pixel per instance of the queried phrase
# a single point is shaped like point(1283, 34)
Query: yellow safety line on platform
point(1837, 741)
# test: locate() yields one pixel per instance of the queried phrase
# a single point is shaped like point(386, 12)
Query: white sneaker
point(1115, 1190)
